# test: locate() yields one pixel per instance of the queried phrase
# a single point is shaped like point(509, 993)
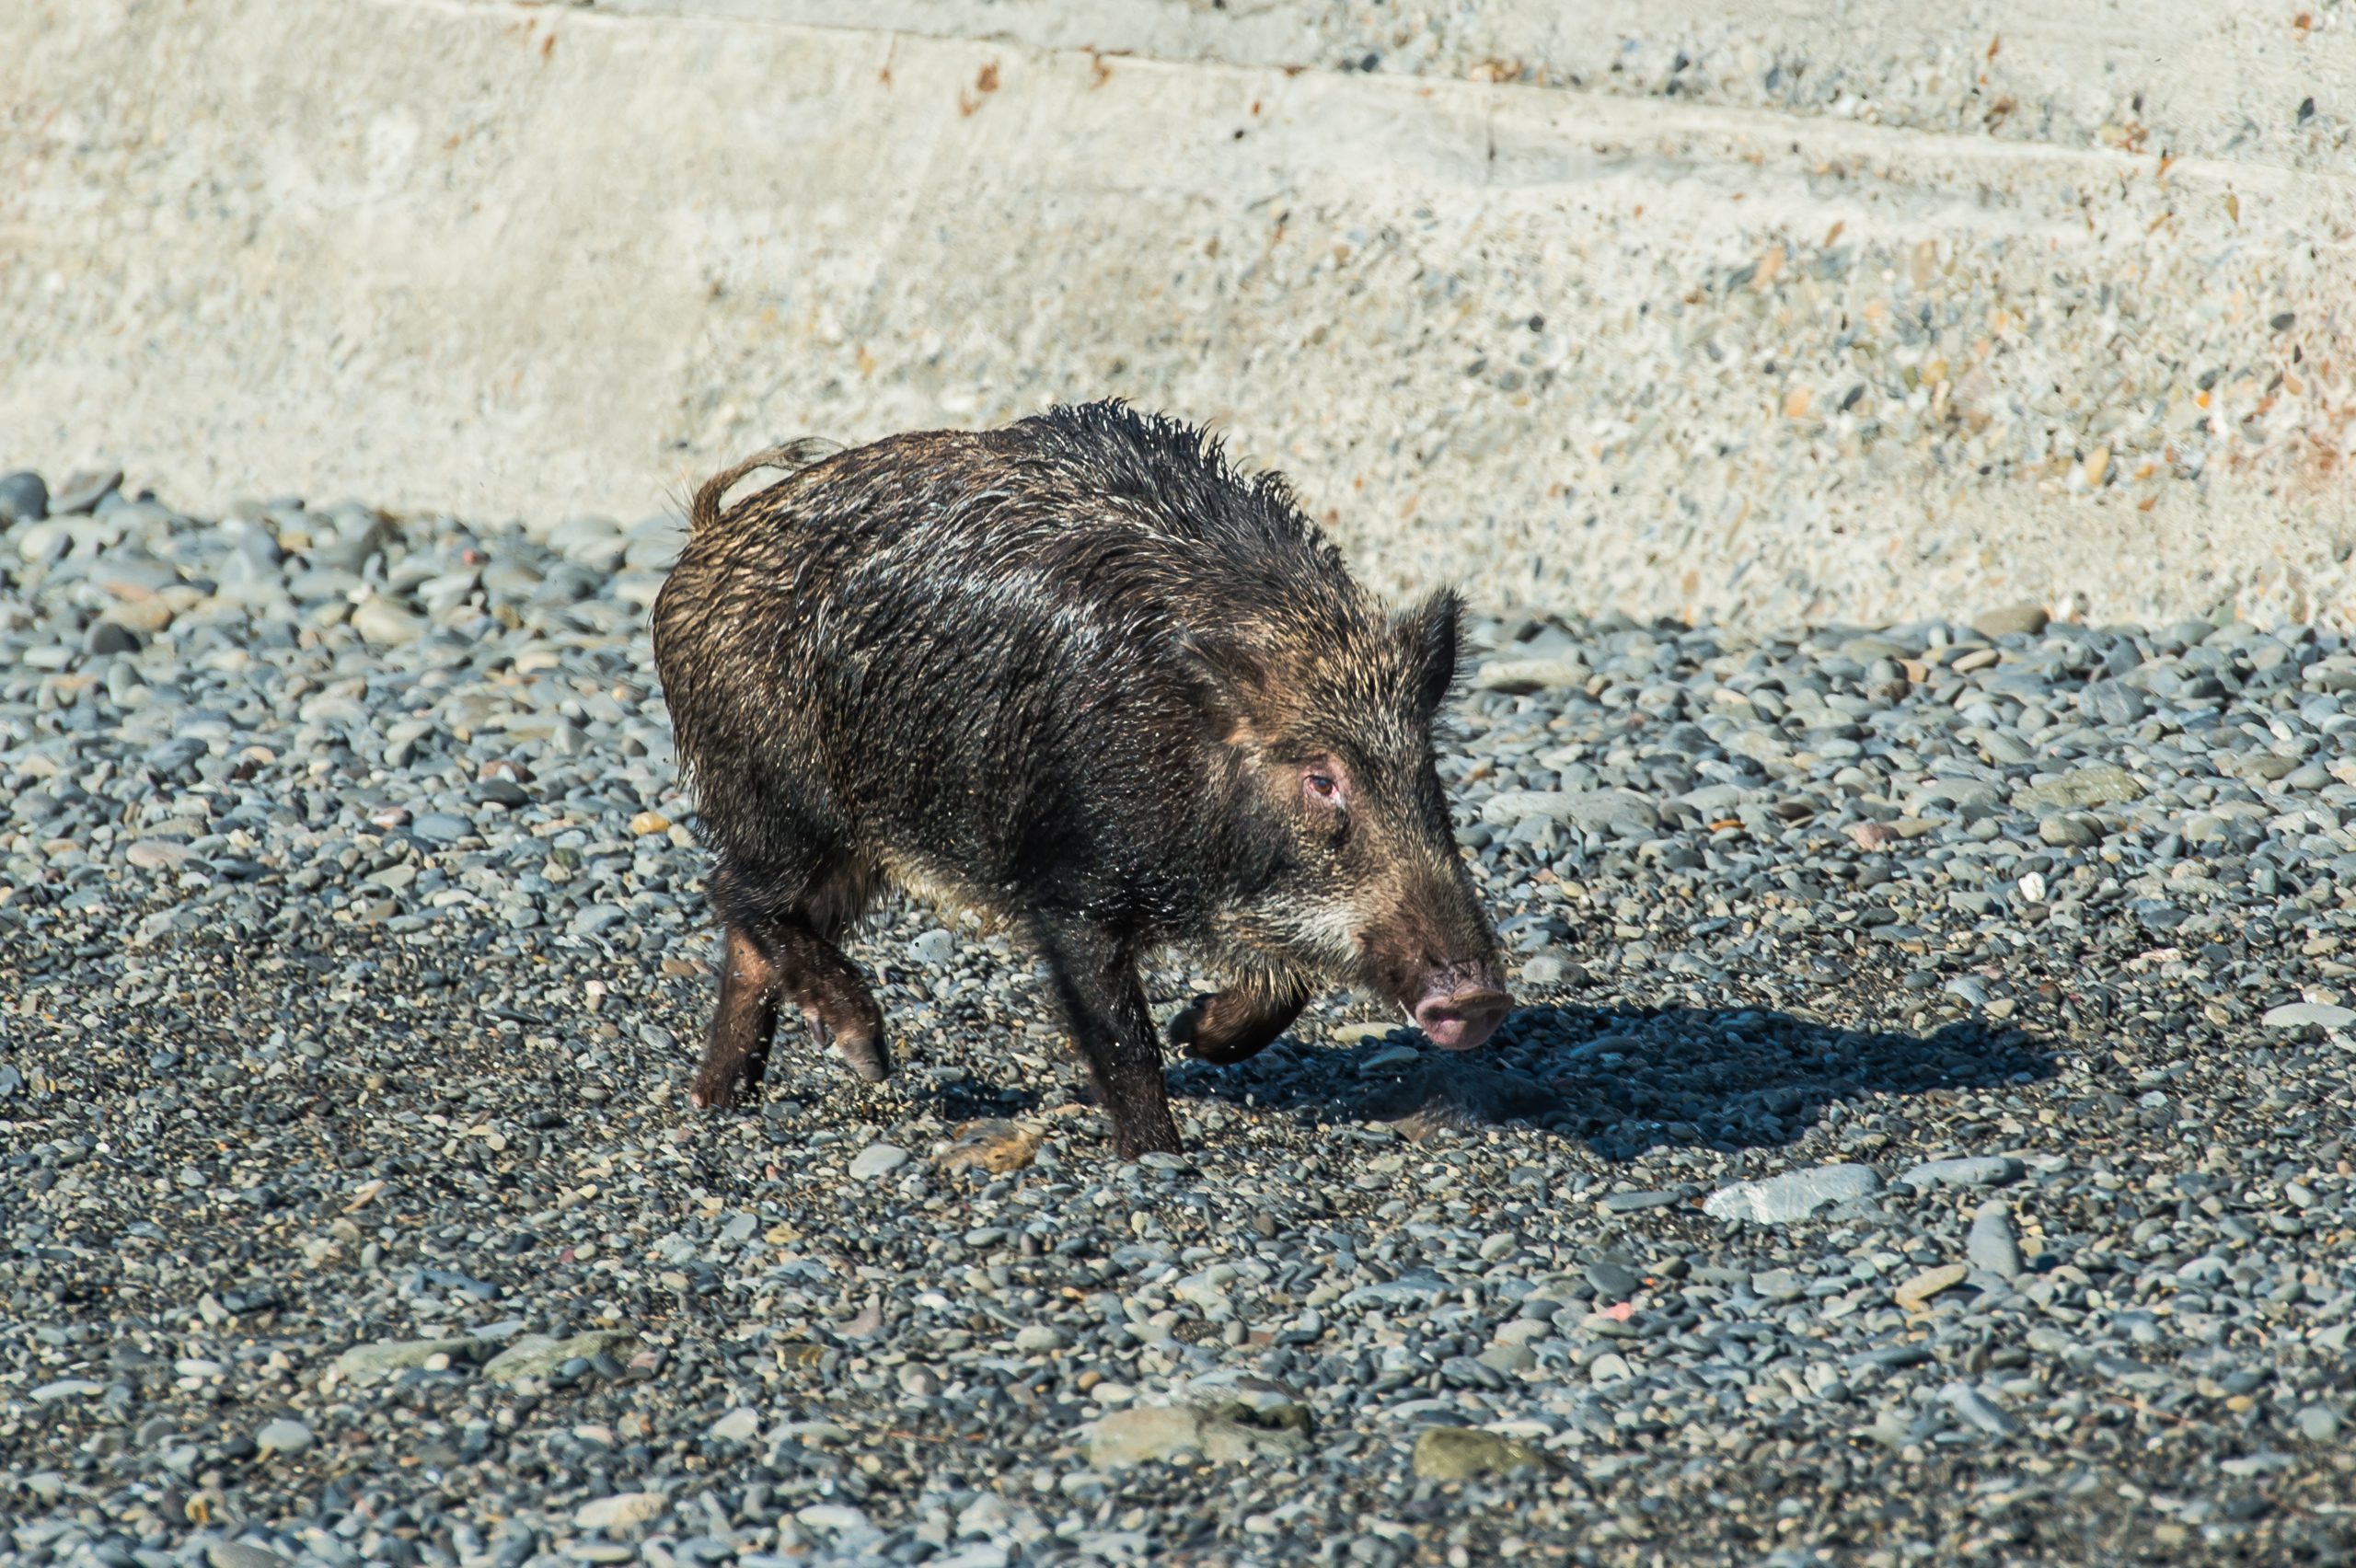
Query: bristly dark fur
point(1068, 672)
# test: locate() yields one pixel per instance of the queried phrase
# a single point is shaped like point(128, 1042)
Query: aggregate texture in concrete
point(1858, 313)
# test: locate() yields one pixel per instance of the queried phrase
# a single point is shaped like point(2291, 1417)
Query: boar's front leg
point(1238, 1022)
point(1096, 980)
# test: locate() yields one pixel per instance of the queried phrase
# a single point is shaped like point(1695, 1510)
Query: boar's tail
point(790, 456)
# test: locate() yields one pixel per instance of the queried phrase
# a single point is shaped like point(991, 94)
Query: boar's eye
point(1323, 784)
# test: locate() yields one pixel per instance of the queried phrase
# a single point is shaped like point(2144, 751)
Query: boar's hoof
point(1161, 1137)
point(859, 1041)
point(731, 1091)
point(1460, 1019)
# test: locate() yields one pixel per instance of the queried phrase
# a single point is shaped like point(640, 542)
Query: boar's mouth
point(1460, 1007)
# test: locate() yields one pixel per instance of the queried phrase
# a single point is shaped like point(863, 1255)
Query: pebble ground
point(1920, 1139)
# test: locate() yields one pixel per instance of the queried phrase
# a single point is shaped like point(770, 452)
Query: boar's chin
point(1318, 939)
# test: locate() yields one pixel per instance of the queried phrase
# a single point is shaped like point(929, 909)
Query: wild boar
point(1083, 675)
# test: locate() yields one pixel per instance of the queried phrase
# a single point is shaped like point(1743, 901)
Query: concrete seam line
point(1599, 114)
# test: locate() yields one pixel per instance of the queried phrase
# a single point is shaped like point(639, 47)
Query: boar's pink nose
point(1461, 1017)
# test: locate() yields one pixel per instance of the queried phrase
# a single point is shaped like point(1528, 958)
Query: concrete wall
point(1805, 328)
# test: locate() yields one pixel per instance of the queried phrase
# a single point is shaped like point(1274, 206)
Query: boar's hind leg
point(1096, 979)
point(1236, 1023)
point(737, 1051)
point(778, 949)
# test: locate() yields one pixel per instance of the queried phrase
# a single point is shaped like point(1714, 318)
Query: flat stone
point(655, 545)
point(2309, 1015)
point(935, 949)
point(1511, 1359)
point(1973, 1170)
point(1460, 1453)
point(1247, 1397)
point(385, 624)
point(2132, 1374)
point(156, 855)
point(739, 1425)
point(1609, 1368)
point(1518, 678)
point(1413, 1288)
point(2025, 619)
point(1957, 794)
point(1600, 810)
point(440, 827)
point(1796, 1194)
point(877, 1160)
point(2102, 784)
point(1545, 969)
point(2069, 830)
point(366, 1362)
point(1980, 1411)
point(84, 489)
point(145, 616)
point(621, 1511)
point(1929, 1283)
point(1611, 808)
point(992, 1145)
point(317, 583)
point(239, 1554)
point(1637, 1202)
point(536, 1356)
point(1125, 1437)
point(597, 918)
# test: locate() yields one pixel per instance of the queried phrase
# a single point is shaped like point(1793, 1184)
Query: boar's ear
point(1428, 630)
point(1229, 682)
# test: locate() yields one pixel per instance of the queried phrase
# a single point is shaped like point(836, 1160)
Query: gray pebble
point(1976, 1409)
point(23, 498)
point(282, 1437)
point(877, 1160)
point(1990, 1244)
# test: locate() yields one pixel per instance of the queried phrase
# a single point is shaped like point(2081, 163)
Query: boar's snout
point(1462, 1006)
